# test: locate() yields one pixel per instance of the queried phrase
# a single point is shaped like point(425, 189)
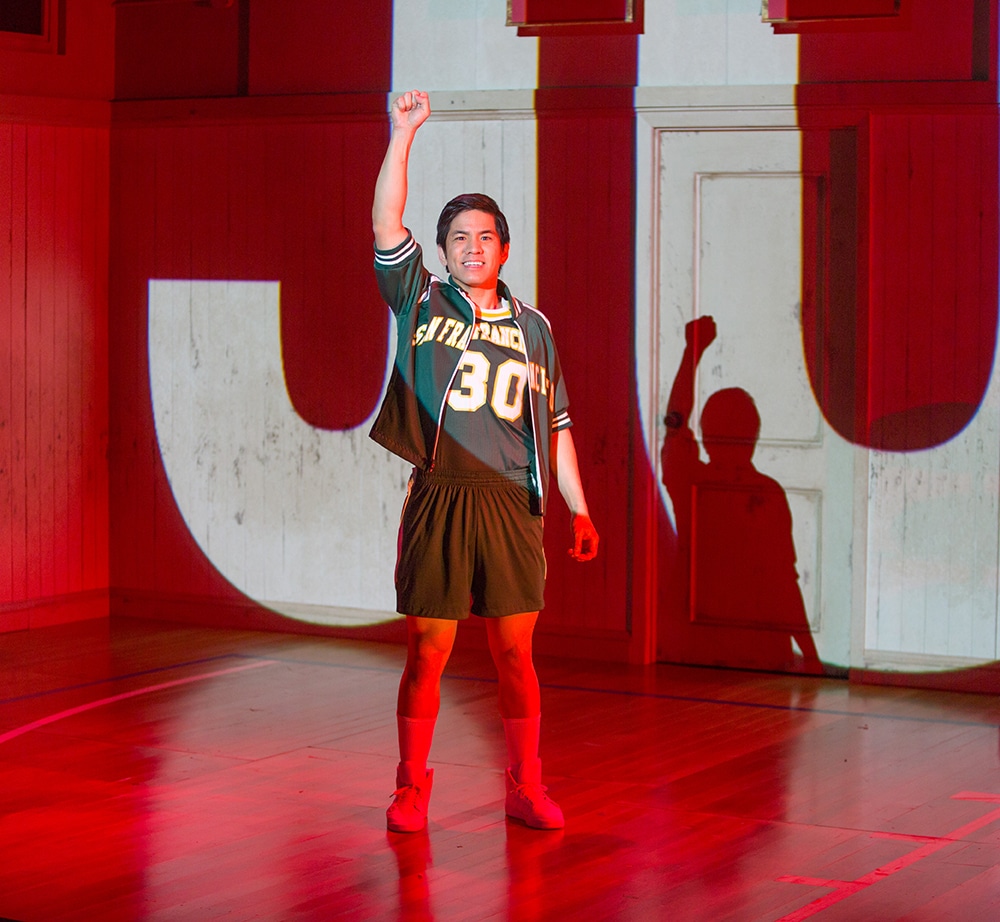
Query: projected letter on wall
point(300, 519)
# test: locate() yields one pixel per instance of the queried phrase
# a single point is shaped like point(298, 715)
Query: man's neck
point(485, 299)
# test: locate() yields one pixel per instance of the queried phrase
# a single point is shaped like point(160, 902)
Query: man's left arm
point(567, 471)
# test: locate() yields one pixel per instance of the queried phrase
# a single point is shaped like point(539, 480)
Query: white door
point(727, 243)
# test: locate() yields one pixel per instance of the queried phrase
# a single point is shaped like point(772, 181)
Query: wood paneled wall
point(54, 154)
point(53, 373)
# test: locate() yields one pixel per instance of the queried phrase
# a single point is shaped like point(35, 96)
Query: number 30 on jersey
point(473, 383)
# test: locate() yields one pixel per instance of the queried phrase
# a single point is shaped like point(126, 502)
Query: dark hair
point(471, 201)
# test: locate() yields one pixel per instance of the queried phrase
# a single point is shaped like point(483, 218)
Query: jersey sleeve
point(561, 420)
point(401, 275)
point(557, 388)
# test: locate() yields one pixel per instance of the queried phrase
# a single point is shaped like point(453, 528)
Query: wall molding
point(44, 110)
point(462, 105)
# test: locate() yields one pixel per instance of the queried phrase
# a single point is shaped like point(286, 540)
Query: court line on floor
point(122, 696)
point(120, 678)
point(845, 888)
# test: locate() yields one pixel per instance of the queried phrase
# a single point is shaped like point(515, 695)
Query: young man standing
point(476, 402)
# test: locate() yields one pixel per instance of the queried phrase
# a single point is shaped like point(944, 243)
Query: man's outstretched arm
point(408, 113)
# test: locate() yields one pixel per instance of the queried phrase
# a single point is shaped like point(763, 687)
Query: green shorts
point(468, 542)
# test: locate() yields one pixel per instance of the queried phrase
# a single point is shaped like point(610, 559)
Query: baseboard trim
point(23, 615)
point(245, 614)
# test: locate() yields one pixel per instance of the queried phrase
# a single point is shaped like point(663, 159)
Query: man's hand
point(585, 539)
point(411, 110)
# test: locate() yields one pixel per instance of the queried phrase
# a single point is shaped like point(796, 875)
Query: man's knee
point(427, 661)
point(514, 656)
point(428, 652)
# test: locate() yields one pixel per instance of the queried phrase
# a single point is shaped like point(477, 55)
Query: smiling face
point(472, 250)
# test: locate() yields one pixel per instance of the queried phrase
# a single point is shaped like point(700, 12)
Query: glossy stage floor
point(161, 772)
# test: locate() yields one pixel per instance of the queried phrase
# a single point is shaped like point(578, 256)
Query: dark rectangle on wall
point(32, 26)
point(176, 50)
point(588, 17)
point(812, 10)
point(24, 16)
point(45, 66)
point(549, 12)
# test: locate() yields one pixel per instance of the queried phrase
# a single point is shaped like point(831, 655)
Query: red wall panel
point(933, 296)
point(901, 342)
point(54, 415)
point(13, 485)
point(176, 50)
point(315, 46)
point(933, 41)
point(586, 267)
point(267, 47)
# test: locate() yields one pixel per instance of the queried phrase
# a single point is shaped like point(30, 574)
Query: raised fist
point(410, 110)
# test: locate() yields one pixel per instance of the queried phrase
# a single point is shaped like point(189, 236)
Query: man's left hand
point(585, 539)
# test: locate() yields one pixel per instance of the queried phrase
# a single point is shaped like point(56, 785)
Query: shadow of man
point(743, 604)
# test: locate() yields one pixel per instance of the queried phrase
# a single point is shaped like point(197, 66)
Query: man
point(477, 403)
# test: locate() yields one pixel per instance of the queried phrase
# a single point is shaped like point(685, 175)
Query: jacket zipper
point(531, 415)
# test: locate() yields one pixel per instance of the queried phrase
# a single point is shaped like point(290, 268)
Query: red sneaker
point(408, 810)
point(527, 801)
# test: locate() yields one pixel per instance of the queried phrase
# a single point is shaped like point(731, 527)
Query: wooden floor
point(152, 771)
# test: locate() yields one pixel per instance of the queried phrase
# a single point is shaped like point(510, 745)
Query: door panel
point(763, 554)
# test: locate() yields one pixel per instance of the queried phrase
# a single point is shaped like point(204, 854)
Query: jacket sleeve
point(401, 275)
point(558, 395)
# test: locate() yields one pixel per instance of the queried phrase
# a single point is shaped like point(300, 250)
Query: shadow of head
point(730, 425)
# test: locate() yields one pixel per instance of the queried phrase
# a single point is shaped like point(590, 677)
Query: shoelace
point(531, 792)
point(406, 796)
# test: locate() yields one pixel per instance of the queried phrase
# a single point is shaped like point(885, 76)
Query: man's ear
point(504, 253)
point(442, 256)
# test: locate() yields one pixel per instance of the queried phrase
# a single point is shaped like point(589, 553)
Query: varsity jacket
point(426, 307)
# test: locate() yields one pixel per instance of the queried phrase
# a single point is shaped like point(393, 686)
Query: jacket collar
point(503, 293)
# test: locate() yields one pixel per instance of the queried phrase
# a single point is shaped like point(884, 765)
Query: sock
point(415, 736)
point(522, 734)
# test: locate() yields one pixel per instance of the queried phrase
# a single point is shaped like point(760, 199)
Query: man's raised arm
point(408, 112)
